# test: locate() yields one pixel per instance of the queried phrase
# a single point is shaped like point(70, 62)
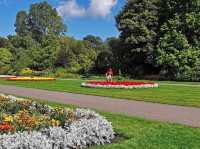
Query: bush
point(42, 73)
point(5, 60)
point(189, 76)
point(4, 69)
point(26, 72)
point(64, 73)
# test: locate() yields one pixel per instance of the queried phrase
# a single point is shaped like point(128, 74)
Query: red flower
point(125, 83)
point(5, 127)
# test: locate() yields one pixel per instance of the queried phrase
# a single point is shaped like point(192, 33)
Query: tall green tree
point(44, 56)
point(5, 43)
point(179, 38)
point(37, 40)
point(75, 55)
point(21, 50)
point(21, 23)
point(170, 50)
point(138, 26)
point(22, 60)
point(138, 22)
point(5, 60)
point(191, 26)
point(95, 42)
point(170, 8)
point(114, 46)
point(41, 19)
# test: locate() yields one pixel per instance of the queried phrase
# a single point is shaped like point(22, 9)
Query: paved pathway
point(153, 111)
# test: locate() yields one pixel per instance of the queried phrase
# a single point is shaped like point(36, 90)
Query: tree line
point(161, 37)
point(158, 39)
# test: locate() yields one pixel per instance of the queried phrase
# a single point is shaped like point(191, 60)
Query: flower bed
point(6, 76)
point(28, 124)
point(30, 79)
point(127, 84)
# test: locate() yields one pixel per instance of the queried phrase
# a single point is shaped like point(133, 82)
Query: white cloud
point(101, 8)
point(97, 8)
point(71, 8)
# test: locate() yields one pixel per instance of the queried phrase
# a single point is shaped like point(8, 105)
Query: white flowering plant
point(29, 124)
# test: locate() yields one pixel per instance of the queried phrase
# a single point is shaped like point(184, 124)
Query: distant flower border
point(30, 79)
point(125, 84)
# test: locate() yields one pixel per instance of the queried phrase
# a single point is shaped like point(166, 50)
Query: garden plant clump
point(28, 124)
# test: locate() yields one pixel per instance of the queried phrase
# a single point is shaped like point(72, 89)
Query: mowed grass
point(167, 94)
point(142, 134)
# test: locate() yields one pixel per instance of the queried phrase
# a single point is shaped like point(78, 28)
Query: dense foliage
point(138, 24)
point(159, 39)
point(5, 60)
point(40, 45)
point(163, 36)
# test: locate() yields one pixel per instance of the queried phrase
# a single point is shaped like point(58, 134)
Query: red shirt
point(109, 72)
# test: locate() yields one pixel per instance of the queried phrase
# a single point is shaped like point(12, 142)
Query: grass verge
point(166, 94)
point(143, 134)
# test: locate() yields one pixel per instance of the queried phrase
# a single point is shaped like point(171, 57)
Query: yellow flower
point(55, 122)
point(8, 119)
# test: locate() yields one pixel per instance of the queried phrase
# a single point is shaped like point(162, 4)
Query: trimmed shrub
point(26, 72)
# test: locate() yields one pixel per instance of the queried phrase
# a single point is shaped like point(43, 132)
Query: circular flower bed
point(30, 79)
point(28, 124)
point(127, 84)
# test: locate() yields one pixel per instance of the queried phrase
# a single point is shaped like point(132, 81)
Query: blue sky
point(82, 17)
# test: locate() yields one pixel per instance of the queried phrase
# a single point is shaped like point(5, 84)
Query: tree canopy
point(160, 35)
point(157, 38)
point(40, 20)
point(5, 60)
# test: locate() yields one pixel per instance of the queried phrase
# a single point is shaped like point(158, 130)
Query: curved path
point(153, 111)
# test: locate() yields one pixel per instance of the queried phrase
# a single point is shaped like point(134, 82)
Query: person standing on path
point(109, 75)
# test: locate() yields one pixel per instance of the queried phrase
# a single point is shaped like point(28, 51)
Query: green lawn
point(167, 94)
point(143, 134)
